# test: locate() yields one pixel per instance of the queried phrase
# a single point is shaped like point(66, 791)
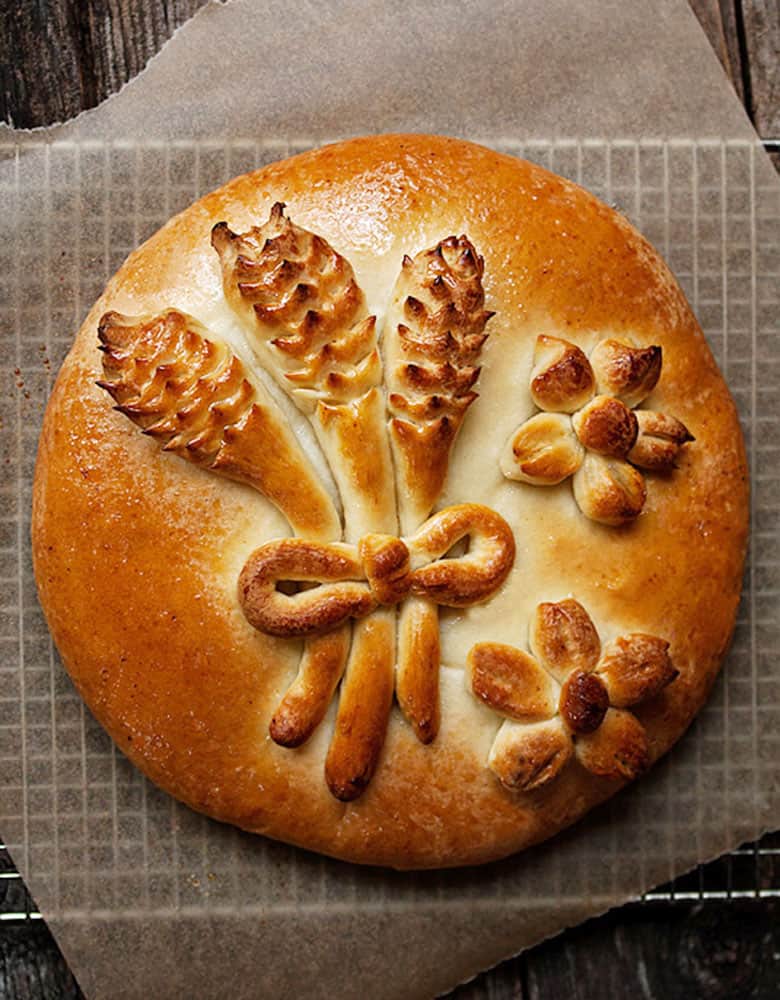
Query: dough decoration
point(569, 699)
point(303, 308)
point(589, 429)
point(433, 336)
point(192, 395)
point(305, 318)
point(355, 580)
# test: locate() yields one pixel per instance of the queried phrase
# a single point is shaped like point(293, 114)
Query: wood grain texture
point(32, 966)
point(718, 18)
point(761, 32)
point(652, 951)
point(58, 57)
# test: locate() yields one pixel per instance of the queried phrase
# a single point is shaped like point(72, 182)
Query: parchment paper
point(146, 898)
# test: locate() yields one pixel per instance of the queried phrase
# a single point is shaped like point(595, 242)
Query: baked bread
point(390, 503)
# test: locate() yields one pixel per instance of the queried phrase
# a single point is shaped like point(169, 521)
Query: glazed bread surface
point(455, 393)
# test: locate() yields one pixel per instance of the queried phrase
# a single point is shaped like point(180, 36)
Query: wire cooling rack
point(750, 872)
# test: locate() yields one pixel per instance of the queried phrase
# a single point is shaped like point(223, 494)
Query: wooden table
point(58, 57)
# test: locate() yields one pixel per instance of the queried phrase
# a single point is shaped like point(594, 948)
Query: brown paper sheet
point(150, 900)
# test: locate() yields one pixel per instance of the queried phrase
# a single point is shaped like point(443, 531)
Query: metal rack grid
point(16, 904)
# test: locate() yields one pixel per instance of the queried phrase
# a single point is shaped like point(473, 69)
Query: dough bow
point(351, 581)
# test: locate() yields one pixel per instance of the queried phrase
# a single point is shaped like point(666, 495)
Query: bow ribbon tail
point(305, 613)
point(306, 701)
point(353, 433)
point(456, 582)
point(364, 706)
point(417, 669)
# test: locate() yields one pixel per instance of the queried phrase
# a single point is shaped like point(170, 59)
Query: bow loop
point(294, 561)
point(351, 581)
point(472, 577)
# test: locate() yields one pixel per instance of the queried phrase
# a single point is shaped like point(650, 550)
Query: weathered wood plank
point(654, 951)
point(761, 20)
point(718, 18)
point(32, 966)
point(58, 57)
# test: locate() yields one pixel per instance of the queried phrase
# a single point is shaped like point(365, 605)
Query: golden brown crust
point(211, 683)
point(562, 378)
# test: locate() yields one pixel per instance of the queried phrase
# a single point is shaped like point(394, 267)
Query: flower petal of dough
point(617, 749)
point(635, 667)
point(631, 373)
point(563, 638)
point(609, 490)
point(562, 379)
point(659, 441)
point(510, 681)
point(543, 451)
point(526, 757)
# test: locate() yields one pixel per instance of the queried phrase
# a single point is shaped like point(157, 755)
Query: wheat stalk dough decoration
point(306, 317)
point(433, 336)
point(307, 320)
point(195, 397)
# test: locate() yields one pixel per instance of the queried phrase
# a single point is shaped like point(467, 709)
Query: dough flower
point(589, 428)
point(569, 699)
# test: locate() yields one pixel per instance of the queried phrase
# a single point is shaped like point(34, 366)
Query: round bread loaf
point(390, 503)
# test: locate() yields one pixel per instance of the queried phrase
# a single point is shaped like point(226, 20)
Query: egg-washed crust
point(134, 550)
